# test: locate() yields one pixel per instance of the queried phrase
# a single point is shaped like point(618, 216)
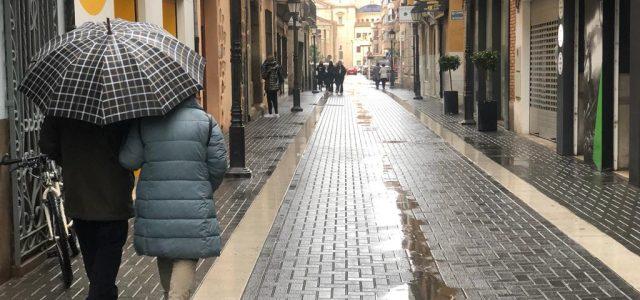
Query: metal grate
point(28, 25)
point(543, 79)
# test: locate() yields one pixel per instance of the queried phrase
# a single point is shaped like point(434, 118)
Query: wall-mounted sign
point(457, 15)
point(434, 6)
point(404, 14)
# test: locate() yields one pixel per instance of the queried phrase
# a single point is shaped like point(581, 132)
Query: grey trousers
point(177, 277)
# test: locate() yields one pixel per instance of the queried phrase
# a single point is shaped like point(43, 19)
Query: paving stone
point(377, 184)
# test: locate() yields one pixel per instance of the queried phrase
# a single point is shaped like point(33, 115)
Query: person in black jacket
point(330, 77)
point(97, 191)
point(321, 73)
point(273, 79)
point(341, 72)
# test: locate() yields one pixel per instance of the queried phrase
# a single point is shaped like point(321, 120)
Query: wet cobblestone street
point(382, 207)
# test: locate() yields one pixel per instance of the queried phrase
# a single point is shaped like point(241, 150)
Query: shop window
point(169, 16)
point(125, 9)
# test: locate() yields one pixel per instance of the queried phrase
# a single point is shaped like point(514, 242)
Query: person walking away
point(341, 72)
point(97, 194)
point(273, 79)
point(320, 74)
point(182, 157)
point(375, 75)
point(384, 75)
point(330, 76)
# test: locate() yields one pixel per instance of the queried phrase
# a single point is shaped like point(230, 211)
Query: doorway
point(543, 69)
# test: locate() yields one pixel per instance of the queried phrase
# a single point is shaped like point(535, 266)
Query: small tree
point(449, 63)
point(486, 61)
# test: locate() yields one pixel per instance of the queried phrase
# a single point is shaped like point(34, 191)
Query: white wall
point(186, 21)
point(150, 11)
point(521, 105)
point(103, 10)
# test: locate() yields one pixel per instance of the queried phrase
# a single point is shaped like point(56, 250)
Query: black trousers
point(384, 82)
point(377, 83)
point(272, 101)
point(329, 85)
point(101, 245)
point(340, 87)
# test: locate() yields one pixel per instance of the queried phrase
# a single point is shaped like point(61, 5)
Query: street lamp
point(294, 9)
point(237, 153)
point(315, 33)
point(392, 37)
point(416, 15)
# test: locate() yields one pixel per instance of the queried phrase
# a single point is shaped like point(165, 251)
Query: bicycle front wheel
point(62, 241)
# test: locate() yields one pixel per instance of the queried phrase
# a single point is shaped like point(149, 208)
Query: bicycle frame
point(52, 186)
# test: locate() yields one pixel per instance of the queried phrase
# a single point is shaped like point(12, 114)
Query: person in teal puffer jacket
point(182, 157)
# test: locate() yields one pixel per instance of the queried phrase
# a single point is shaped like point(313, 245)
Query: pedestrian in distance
point(341, 72)
point(321, 72)
point(330, 77)
point(182, 161)
point(384, 75)
point(375, 75)
point(273, 79)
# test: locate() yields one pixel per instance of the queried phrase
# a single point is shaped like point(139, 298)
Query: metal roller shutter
point(543, 70)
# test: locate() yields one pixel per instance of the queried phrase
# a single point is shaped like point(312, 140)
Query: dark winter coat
point(321, 72)
point(272, 75)
point(340, 73)
point(182, 157)
point(96, 186)
point(331, 74)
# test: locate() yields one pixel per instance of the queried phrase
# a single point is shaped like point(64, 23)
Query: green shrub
point(487, 60)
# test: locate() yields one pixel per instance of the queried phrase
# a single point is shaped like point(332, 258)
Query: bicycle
point(60, 228)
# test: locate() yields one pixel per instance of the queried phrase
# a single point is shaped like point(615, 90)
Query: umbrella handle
point(109, 32)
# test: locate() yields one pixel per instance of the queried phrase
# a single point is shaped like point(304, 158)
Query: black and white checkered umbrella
point(108, 72)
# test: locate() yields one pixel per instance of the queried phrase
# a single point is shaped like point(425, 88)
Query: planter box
point(450, 102)
point(488, 116)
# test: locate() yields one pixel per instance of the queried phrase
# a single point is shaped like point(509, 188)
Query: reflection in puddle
point(364, 118)
point(426, 284)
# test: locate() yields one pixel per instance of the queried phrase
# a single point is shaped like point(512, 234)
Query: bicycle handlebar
point(27, 161)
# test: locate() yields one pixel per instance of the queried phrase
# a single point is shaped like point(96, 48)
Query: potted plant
point(486, 61)
point(450, 63)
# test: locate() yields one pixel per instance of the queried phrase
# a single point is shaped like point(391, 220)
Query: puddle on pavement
point(363, 116)
point(427, 283)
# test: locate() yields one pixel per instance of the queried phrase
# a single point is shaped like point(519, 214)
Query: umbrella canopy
point(119, 70)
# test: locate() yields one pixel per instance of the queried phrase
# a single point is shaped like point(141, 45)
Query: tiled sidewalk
point(603, 199)
point(379, 201)
point(266, 141)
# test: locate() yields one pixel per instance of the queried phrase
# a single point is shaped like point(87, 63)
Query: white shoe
point(268, 115)
point(277, 115)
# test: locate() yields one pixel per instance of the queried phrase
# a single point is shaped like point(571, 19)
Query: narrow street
point(381, 207)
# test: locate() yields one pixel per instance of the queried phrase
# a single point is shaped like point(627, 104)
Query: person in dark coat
point(273, 79)
point(330, 76)
point(341, 72)
point(375, 75)
point(321, 72)
point(97, 193)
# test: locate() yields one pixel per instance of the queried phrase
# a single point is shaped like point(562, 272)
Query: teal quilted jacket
point(182, 157)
